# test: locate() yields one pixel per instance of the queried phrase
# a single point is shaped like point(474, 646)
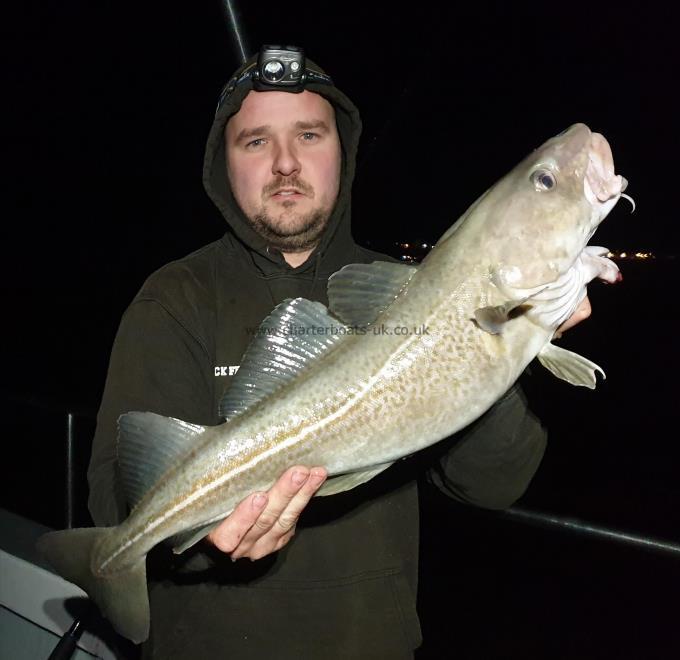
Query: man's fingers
point(582, 312)
point(227, 536)
point(264, 522)
point(284, 539)
point(290, 515)
point(280, 494)
point(287, 498)
point(584, 309)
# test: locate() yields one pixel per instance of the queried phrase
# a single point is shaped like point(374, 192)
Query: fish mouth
point(602, 188)
point(601, 183)
point(555, 301)
point(553, 281)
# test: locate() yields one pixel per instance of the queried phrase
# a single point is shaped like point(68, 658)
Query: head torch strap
point(312, 76)
point(244, 76)
point(251, 73)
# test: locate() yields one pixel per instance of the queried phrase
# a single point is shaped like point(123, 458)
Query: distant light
point(631, 255)
point(404, 245)
point(425, 246)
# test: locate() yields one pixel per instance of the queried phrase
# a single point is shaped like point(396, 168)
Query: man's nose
point(285, 160)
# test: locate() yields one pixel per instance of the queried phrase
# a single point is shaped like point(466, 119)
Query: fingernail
point(317, 477)
point(259, 501)
point(299, 477)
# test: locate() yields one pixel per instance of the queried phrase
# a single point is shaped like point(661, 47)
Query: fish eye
point(543, 180)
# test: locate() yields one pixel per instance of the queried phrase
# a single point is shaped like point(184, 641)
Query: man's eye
point(308, 136)
point(255, 143)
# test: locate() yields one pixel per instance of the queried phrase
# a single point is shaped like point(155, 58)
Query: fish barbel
point(403, 357)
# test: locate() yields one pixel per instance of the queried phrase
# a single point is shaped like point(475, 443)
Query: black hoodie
point(345, 586)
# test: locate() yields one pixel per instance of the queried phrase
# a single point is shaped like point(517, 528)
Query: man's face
point(283, 161)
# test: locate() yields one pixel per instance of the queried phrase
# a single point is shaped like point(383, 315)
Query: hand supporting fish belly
point(403, 357)
point(582, 312)
point(264, 522)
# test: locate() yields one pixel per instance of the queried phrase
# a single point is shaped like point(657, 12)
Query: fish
point(404, 356)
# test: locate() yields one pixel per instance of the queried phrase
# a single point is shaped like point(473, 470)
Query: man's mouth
point(287, 192)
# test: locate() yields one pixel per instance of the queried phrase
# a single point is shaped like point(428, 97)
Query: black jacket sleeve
point(156, 365)
point(492, 461)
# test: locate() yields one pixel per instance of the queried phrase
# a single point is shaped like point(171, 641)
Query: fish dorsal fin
point(569, 366)
point(292, 337)
point(357, 293)
point(148, 445)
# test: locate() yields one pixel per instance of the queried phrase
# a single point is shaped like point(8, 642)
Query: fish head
point(539, 219)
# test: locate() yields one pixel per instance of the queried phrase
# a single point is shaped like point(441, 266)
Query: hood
point(337, 237)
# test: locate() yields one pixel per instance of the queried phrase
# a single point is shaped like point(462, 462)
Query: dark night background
point(106, 109)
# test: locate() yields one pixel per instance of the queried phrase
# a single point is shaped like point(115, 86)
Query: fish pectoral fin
point(492, 318)
point(344, 482)
point(184, 540)
point(358, 293)
point(573, 368)
point(148, 445)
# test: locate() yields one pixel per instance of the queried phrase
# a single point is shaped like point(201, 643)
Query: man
point(279, 166)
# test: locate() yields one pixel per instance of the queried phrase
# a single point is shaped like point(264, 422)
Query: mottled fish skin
point(490, 296)
point(376, 398)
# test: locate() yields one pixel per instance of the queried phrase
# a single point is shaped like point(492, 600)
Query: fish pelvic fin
point(122, 596)
point(569, 366)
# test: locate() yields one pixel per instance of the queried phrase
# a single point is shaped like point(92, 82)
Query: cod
point(403, 357)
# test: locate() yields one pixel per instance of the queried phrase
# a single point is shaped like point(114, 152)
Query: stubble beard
point(291, 234)
point(290, 231)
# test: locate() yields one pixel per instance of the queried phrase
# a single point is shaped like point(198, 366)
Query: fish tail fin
point(122, 596)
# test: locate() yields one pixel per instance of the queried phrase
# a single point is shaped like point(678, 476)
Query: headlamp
point(278, 68)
